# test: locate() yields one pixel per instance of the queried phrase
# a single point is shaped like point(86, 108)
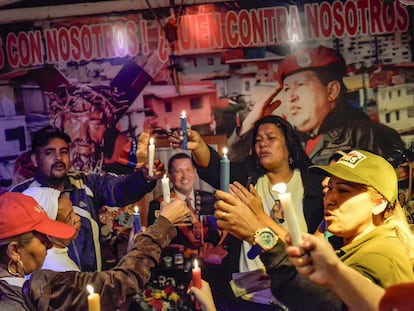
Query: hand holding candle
point(196, 275)
point(289, 213)
point(94, 299)
point(224, 171)
point(137, 220)
point(166, 189)
point(151, 152)
point(183, 126)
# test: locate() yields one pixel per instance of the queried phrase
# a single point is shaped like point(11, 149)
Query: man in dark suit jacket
point(182, 174)
point(202, 226)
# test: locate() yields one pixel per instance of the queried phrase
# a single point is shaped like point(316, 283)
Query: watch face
point(266, 239)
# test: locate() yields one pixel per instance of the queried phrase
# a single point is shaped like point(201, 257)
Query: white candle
point(151, 152)
point(289, 213)
point(94, 299)
point(166, 189)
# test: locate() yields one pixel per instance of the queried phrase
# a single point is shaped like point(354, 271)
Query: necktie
point(192, 217)
point(197, 230)
point(189, 205)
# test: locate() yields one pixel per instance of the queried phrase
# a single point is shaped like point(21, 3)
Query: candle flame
point(136, 209)
point(280, 187)
point(90, 289)
point(183, 114)
point(225, 150)
point(151, 141)
point(195, 264)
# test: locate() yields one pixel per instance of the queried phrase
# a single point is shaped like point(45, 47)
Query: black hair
point(44, 135)
point(297, 156)
point(180, 155)
point(330, 73)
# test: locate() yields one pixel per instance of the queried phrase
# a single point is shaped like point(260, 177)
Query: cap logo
point(39, 209)
point(304, 59)
point(352, 159)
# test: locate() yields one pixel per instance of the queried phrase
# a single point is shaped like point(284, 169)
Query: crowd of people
point(355, 251)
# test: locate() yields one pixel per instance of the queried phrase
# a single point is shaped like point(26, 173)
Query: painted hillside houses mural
point(106, 77)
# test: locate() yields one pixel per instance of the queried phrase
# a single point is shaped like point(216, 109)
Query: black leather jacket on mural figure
point(344, 128)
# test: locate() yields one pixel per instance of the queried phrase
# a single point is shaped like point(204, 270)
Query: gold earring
point(16, 273)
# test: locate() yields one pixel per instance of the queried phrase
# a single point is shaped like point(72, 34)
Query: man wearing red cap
point(315, 96)
point(25, 229)
point(88, 192)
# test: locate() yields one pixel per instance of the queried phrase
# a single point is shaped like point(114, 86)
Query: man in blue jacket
point(88, 192)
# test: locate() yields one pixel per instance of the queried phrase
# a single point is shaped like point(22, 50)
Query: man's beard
point(84, 156)
point(54, 180)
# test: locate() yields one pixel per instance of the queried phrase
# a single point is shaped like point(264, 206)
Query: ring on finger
point(224, 215)
point(304, 256)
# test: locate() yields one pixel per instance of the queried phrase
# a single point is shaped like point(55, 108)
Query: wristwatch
point(266, 238)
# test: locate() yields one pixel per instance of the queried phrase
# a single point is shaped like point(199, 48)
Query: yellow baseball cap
point(363, 167)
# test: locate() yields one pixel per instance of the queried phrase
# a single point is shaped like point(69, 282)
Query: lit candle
point(151, 152)
point(94, 300)
point(137, 219)
point(166, 189)
point(224, 171)
point(289, 213)
point(196, 281)
point(183, 126)
point(196, 275)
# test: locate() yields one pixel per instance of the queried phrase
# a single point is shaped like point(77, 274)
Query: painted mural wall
point(105, 79)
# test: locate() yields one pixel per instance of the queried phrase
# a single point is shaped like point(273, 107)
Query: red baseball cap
point(310, 58)
point(398, 297)
point(21, 214)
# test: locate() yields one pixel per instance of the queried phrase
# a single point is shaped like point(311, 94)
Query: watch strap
point(254, 251)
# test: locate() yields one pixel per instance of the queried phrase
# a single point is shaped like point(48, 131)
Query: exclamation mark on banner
point(144, 36)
